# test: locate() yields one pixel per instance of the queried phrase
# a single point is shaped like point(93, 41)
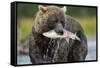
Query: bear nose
point(59, 31)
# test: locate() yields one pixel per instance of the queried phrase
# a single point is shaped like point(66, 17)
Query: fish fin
point(67, 39)
point(77, 38)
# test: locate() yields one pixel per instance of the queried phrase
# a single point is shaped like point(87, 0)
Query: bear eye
point(55, 20)
point(62, 23)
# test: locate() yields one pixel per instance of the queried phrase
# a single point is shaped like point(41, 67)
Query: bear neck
point(39, 38)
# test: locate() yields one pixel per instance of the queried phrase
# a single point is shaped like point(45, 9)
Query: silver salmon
point(66, 35)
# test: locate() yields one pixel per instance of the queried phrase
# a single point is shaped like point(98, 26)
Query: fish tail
point(77, 37)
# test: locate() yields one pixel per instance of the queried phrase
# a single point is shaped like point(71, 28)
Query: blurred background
point(25, 16)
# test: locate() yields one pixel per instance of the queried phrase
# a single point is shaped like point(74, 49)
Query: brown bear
point(43, 49)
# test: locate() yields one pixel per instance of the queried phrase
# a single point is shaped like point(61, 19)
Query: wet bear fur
point(42, 49)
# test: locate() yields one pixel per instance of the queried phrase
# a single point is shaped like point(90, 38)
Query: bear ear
point(64, 9)
point(42, 8)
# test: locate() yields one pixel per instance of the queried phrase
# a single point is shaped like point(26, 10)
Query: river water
point(24, 59)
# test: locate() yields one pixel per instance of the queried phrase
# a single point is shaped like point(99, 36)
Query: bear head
point(48, 18)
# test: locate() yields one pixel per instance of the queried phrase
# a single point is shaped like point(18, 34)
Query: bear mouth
point(66, 35)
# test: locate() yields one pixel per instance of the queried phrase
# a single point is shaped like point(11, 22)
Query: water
point(24, 59)
point(91, 50)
